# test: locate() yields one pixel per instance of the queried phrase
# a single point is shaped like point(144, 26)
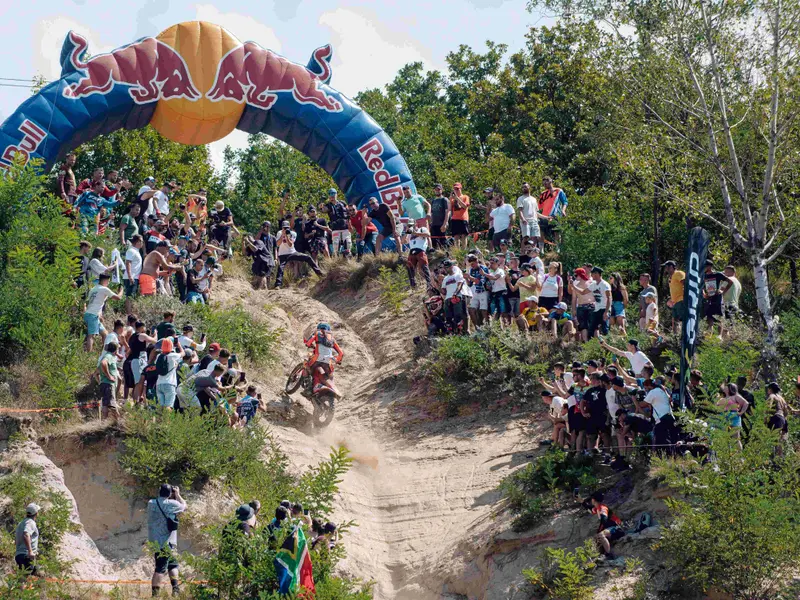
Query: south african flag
point(293, 564)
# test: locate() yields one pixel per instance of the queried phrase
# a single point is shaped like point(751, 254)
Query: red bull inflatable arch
point(195, 83)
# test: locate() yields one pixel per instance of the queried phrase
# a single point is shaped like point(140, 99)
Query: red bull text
point(32, 137)
point(371, 155)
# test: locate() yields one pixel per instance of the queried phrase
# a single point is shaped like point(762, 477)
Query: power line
point(30, 85)
point(15, 79)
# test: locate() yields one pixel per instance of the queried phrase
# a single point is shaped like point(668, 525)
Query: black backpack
point(162, 365)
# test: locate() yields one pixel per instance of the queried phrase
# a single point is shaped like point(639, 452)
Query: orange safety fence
point(40, 410)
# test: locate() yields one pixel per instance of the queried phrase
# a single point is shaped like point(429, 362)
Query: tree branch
point(780, 249)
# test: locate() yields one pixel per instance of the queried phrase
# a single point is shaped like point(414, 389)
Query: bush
point(565, 575)
point(394, 288)
point(736, 526)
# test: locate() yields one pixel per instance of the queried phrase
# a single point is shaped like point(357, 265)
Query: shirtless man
point(155, 264)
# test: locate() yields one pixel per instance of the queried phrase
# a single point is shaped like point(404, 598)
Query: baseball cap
point(214, 346)
point(438, 185)
point(457, 185)
point(447, 263)
point(561, 306)
point(406, 186)
point(219, 205)
point(597, 270)
point(332, 192)
point(581, 272)
point(504, 241)
point(422, 230)
point(166, 345)
point(284, 223)
point(547, 393)
point(532, 299)
point(32, 509)
point(162, 244)
point(471, 257)
point(188, 354)
point(188, 327)
point(488, 190)
point(312, 208)
point(151, 178)
point(648, 295)
point(618, 381)
point(669, 263)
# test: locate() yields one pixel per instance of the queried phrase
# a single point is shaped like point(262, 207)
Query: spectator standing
point(637, 358)
point(223, 222)
point(416, 207)
point(161, 199)
point(454, 285)
point(730, 299)
point(512, 279)
point(417, 255)
point(715, 285)
point(601, 291)
point(528, 208)
point(287, 254)
point(107, 377)
point(95, 302)
point(162, 530)
point(383, 216)
point(340, 232)
point(479, 303)
point(264, 253)
point(459, 221)
point(647, 286)
point(658, 400)
point(26, 538)
point(619, 300)
point(440, 216)
point(583, 305)
point(488, 196)
point(133, 268)
point(528, 283)
point(552, 206)
point(129, 225)
point(677, 280)
point(498, 297)
point(155, 265)
point(66, 181)
point(89, 204)
point(144, 198)
point(501, 218)
point(552, 286)
point(365, 231)
point(167, 367)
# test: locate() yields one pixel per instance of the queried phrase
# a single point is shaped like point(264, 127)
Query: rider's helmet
point(323, 327)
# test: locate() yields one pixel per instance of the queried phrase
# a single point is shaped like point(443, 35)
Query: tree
point(718, 81)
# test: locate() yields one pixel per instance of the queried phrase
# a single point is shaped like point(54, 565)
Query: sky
point(371, 40)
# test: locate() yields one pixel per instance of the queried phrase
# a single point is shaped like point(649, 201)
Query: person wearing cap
point(316, 234)
point(167, 366)
point(499, 308)
point(677, 279)
point(26, 538)
point(601, 293)
point(730, 299)
point(197, 205)
point(154, 266)
point(651, 315)
point(162, 531)
point(532, 317)
point(161, 199)
point(222, 219)
point(144, 197)
point(583, 304)
point(501, 218)
point(528, 284)
point(559, 317)
point(440, 216)
point(528, 208)
point(418, 240)
point(154, 235)
point(552, 207)
point(476, 280)
point(340, 232)
point(380, 214)
point(715, 285)
point(364, 230)
point(531, 254)
point(459, 220)
point(455, 288)
point(416, 207)
point(263, 254)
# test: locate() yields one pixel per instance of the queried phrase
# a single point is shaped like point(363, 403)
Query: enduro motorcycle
point(322, 397)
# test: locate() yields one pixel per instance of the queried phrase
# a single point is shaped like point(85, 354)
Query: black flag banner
point(696, 254)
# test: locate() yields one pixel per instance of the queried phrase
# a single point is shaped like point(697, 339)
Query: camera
point(182, 206)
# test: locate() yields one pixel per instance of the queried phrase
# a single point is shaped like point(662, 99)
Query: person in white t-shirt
point(528, 207)
point(601, 291)
point(499, 306)
point(418, 240)
point(500, 219)
point(95, 302)
point(287, 253)
point(160, 199)
point(664, 431)
point(167, 366)
point(132, 270)
point(637, 358)
point(557, 416)
point(455, 287)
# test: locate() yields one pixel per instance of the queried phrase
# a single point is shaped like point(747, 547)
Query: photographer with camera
point(287, 253)
point(162, 530)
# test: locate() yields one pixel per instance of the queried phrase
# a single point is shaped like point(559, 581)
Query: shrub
point(394, 288)
point(565, 575)
point(735, 528)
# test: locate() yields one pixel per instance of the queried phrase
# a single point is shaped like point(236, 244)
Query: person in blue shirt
point(248, 406)
point(89, 205)
point(561, 318)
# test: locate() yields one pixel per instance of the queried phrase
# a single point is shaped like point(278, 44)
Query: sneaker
point(606, 459)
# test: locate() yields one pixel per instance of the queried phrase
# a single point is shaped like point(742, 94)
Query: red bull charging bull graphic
point(194, 83)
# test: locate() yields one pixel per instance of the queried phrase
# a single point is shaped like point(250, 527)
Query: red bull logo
point(32, 137)
point(151, 69)
point(254, 75)
point(371, 153)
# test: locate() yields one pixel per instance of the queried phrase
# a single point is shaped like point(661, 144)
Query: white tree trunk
point(769, 352)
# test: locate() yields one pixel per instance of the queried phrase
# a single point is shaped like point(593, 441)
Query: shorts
point(261, 269)
point(500, 236)
point(577, 422)
point(147, 285)
point(584, 315)
point(165, 392)
point(678, 310)
point(195, 298)
point(459, 227)
point(107, 395)
point(127, 374)
point(490, 234)
point(514, 305)
point(530, 229)
point(341, 236)
point(614, 533)
point(166, 560)
point(136, 370)
point(498, 303)
point(479, 300)
point(777, 422)
point(27, 563)
point(598, 322)
point(617, 308)
point(131, 287)
point(712, 308)
point(734, 418)
point(548, 302)
point(595, 426)
point(92, 323)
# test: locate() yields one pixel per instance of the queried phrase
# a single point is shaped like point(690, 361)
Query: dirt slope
point(415, 495)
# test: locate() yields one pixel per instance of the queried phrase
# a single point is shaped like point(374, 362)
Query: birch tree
point(718, 81)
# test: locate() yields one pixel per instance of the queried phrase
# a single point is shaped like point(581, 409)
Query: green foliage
point(734, 525)
point(553, 472)
point(565, 575)
point(394, 289)
point(187, 448)
point(318, 486)
point(718, 360)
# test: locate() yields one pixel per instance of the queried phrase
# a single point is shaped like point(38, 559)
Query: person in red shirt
point(610, 527)
point(366, 237)
point(552, 206)
point(459, 219)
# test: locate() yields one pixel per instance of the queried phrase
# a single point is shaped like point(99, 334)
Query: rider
point(326, 350)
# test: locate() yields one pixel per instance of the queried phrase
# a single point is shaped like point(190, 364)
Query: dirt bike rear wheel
point(295, 379)
point(323, 409)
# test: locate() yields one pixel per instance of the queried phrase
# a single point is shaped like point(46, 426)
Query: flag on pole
point(293, 564)
point(696, 254)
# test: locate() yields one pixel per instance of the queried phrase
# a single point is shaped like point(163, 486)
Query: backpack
point(162, 365)
point(643, 522)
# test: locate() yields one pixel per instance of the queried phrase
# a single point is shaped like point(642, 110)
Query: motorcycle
point(322, 397)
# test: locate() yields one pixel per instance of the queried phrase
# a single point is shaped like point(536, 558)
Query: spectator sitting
point(610, 528)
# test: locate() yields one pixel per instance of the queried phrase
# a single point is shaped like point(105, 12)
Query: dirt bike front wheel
point(295, 379)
